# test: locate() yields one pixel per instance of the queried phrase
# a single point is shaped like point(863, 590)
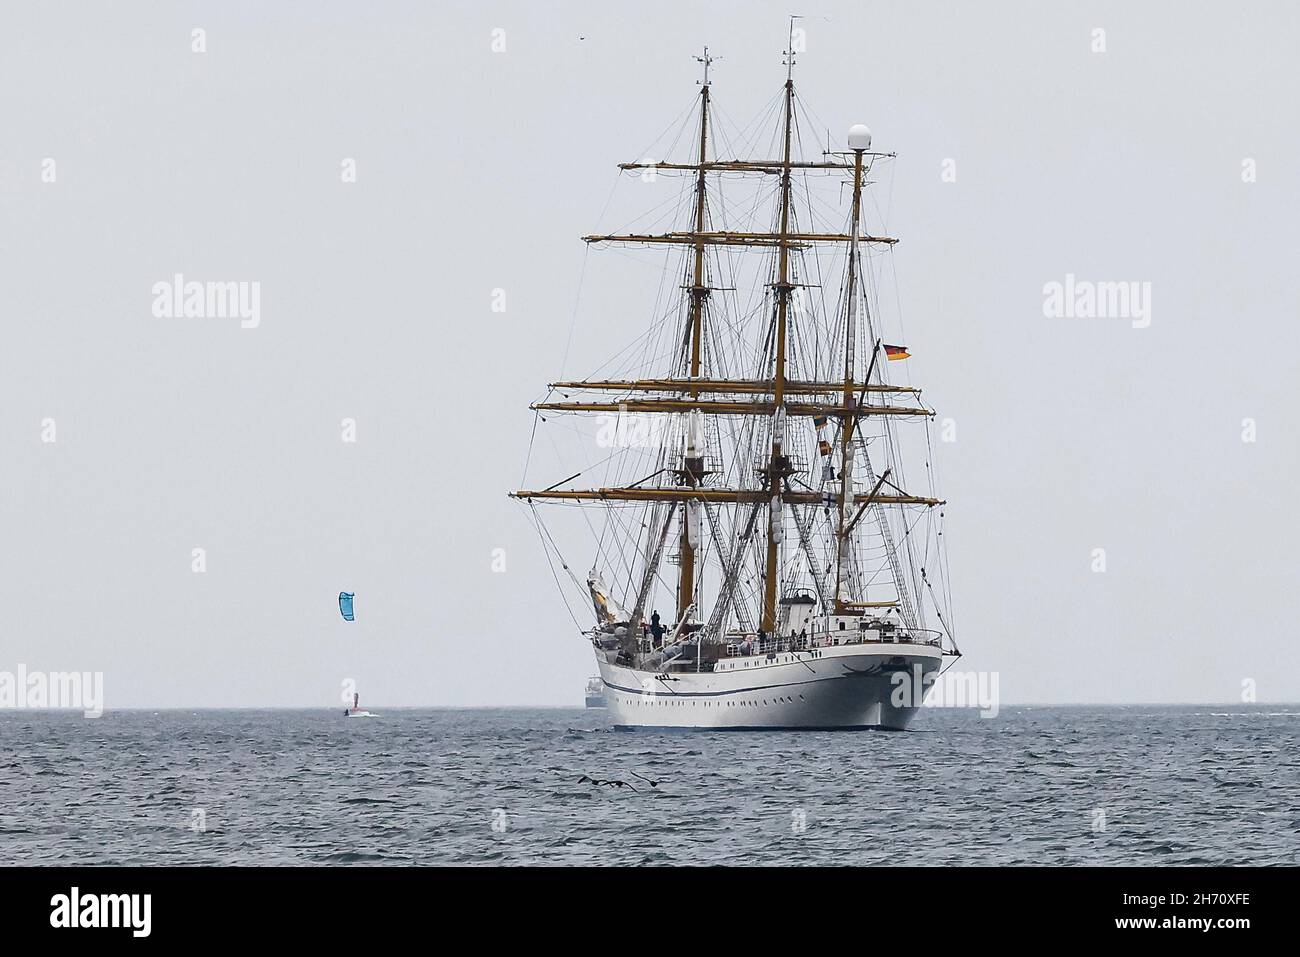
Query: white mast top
point(706, 60)
point(789, 50)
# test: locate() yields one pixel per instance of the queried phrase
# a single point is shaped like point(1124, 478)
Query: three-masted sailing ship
point(755, 447)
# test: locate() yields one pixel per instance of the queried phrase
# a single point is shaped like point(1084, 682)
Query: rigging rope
point(544, 535)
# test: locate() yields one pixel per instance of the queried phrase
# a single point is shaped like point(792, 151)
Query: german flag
point(897, 352)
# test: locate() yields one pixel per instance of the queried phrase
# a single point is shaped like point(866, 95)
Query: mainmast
point(693, 467)
point(779, 466)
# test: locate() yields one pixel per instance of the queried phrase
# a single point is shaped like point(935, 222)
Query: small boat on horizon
point(355, 711)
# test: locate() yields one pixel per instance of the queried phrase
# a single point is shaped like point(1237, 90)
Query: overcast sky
point(1167, 159)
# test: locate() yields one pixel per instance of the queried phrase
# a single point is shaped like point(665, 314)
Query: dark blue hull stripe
point(717, 694)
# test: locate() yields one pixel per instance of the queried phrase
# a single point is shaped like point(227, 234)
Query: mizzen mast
point(847, 423)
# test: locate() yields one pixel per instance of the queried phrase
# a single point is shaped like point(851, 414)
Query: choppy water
point(1187, 785)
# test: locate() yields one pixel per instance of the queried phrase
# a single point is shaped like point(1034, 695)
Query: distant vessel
point(756, 430)
point(355, 711)
point(595, 692)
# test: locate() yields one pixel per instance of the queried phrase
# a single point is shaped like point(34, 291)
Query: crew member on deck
point(657, 630)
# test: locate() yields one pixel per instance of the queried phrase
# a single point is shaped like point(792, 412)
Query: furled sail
point(608, 612)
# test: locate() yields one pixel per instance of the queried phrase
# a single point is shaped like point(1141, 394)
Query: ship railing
point(914, 636)
point(768, 646)
point(911, 636)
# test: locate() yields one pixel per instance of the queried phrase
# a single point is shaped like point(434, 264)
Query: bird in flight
point(609, 784)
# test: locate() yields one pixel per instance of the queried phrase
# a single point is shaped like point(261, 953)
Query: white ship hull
point(836, 687)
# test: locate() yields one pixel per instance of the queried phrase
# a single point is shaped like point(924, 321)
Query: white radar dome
point(859, 137)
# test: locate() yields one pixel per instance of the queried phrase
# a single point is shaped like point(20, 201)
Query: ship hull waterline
point(848, 687)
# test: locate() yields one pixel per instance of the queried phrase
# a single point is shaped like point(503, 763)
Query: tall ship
point(758, 558)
